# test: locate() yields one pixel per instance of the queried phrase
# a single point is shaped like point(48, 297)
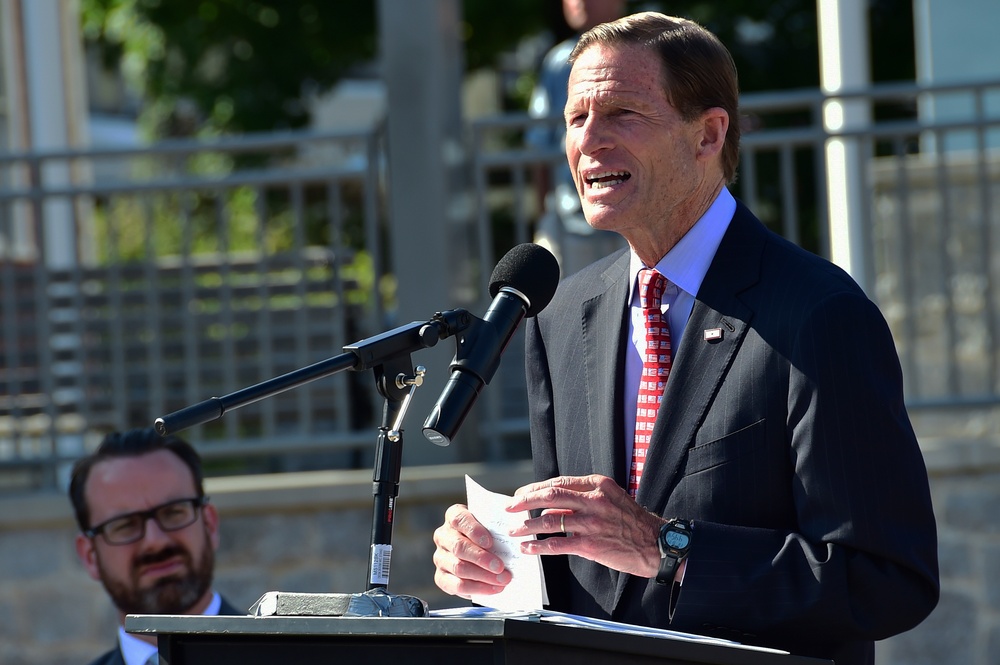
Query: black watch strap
point(668, 568)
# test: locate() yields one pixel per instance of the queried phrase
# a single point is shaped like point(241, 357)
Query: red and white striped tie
point(655, 369)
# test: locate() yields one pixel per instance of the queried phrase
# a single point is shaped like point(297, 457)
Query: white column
point(844, 66)
point(47, 110)
point(421, 61)
point(56, 110)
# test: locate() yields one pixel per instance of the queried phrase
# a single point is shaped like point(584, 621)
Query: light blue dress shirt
point(684, 266)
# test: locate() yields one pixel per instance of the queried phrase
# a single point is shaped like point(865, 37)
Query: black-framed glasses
point(130, 528)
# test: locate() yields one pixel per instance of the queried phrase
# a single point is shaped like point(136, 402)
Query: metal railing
point(135, 282)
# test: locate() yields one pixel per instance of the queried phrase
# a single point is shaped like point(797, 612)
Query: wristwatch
point(675, 542)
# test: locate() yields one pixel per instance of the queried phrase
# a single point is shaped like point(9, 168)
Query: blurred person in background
point(148, 533)
point(562, 228)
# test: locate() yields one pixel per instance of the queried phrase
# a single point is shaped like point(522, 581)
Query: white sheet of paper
point(526, 590)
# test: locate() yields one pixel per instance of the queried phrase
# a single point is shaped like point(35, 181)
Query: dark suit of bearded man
point(114, 656)
point(782, 435)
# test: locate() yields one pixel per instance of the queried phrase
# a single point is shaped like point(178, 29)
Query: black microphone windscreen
point(532, 270)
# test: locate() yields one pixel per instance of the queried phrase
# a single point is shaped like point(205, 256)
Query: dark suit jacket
point(786, 442)
point(115, 657)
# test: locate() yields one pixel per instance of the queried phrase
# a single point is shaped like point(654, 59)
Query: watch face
point(677, 540)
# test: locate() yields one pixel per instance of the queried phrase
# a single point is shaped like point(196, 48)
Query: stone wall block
point(991, 576)
point(944, 637)
point(35, 553)
point(975, 506)
point(344, 533)
point(955, 556)
point(264, 540)
point(992, 646)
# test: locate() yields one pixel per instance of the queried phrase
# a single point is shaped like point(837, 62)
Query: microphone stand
point(397, 387)
point(388, 355)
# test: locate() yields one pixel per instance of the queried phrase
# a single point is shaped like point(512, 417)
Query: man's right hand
point(464, 565)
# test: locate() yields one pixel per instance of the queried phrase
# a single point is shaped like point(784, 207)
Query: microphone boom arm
point(522, 284)
point(364, 354)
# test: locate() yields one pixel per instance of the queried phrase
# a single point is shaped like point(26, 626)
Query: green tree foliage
point(775, 43)
point(230, 65)
point(492, 28)
point(211, 66)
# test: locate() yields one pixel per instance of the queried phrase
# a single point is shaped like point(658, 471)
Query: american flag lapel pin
point(713, 334)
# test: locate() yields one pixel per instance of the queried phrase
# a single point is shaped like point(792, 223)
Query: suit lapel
point(703, 358)
point(699, 368)
point(602, 320)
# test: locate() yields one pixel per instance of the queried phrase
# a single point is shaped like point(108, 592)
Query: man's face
point(635, 161)
point(164, 572)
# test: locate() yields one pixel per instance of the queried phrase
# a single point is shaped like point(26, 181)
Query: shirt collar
point(137, 652)
point(687, 262)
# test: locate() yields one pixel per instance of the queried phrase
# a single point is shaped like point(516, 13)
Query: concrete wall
point(962, 450)
point(310, 532)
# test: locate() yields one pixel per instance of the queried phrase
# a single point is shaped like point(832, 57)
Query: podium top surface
point(529, 628)
point(169, 624)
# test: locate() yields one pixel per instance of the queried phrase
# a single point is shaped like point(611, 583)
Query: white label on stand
point(381, 554)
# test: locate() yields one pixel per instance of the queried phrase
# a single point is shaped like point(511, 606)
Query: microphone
point(522, 284)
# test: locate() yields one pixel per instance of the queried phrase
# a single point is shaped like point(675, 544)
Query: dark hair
point(698, 69)
point(133, 443)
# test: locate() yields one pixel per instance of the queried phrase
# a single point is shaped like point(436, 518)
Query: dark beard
point(169, 595)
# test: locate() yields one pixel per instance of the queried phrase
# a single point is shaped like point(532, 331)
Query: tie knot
point(651, 287)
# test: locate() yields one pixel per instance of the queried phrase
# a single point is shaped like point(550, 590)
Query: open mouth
point(606, 179)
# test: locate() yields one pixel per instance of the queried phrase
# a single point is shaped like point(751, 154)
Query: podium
point(249, 640)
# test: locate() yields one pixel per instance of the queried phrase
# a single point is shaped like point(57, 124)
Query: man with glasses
point(147, 532)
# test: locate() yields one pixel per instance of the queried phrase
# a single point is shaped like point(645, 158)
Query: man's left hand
point(601, 520)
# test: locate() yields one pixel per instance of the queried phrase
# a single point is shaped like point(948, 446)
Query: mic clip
point(402, 381)
point(471, 335)
point(479, 347)
point(446, 324)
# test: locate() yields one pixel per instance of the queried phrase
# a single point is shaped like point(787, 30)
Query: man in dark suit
point(147, 532)
point(780, 498)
